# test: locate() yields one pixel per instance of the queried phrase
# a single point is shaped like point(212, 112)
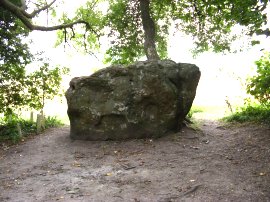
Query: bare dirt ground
point(218, 163)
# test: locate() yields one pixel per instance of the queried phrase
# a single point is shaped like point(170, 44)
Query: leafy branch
point(26, 17)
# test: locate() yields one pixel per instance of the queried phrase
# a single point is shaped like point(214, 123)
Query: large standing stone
point(146, 99)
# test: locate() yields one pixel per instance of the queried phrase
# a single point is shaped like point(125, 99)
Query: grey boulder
point(143, 100)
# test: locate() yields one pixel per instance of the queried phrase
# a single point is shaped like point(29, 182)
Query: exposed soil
point(218, 163)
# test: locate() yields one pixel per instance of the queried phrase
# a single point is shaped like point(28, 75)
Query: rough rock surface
point(146, 99)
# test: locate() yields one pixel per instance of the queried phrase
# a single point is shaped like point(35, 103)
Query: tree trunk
point(149, 31)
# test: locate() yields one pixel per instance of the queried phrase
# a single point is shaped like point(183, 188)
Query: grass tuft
point(194, 110)
point(250, 113)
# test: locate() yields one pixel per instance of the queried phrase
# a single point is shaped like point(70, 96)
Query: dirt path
point(215, 164)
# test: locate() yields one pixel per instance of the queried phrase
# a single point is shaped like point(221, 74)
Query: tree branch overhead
point(26, 17)
point(37, 11)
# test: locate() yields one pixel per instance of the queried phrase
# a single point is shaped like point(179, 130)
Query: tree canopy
point(141, 27)
point(17, 88)
point(12, 48)
point(131, 24)
point(14, 56)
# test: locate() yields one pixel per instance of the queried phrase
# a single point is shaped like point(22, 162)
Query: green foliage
point(20, 90)
point(251, 113)
point(259, 85)
point(9, 127)
point(14, 56)
point(12, 81)
point(209, 22)
point(88, 40)
point(126, 33)
point(194, 110)
point(44, 84)
point(13, 51)
point(52, 121)
point(17, 88)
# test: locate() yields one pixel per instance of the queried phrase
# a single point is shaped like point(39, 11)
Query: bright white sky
point(219, 72)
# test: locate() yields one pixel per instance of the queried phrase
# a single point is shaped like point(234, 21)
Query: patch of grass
point(194, 123)
point(250, 113)
point(9, 131)
point(194, 110)
point(52, 121)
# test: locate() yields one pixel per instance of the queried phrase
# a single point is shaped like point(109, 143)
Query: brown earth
point(216, 163)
